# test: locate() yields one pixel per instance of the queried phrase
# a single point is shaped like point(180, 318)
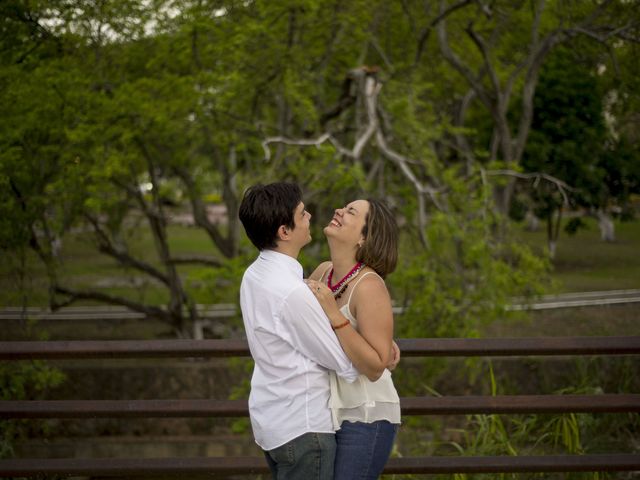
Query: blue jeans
point(363, 449)
point(308, 457)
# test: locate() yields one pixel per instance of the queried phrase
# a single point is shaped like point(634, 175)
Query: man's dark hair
point(265, 207)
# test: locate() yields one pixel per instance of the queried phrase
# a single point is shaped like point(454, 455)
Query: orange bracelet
point(346, 322)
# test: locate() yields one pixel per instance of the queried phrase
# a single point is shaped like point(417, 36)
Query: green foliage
point(214, 285)
point(541, 434)
point(463, 278)
point(568, 132)
point(101, 98)
point(621, 163)
point(569, 138)
point(23, 381)
point(244, 367)
point(466, 275)
point(573, 225)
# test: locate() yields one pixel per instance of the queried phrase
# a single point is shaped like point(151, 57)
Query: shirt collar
point(285, 260)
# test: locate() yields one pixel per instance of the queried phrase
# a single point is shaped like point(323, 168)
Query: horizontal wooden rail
point(112, 312)
point(256, 465)
point(421, 347)
point(450, 405)
point(467, 404)
point(541, 346)
point(122, 349)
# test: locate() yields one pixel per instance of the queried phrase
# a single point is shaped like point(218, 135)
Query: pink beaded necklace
point(339, 288)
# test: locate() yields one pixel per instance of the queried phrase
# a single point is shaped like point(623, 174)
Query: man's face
point(301, 234)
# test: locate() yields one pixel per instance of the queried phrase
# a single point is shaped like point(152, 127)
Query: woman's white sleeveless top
point(363, 400)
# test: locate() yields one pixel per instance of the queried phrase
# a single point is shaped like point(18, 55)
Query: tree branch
point(371, 91)
point(426, 31)
point(158, 224)
point(457, 64)
point(196, 259)
point(382, 54)
point(535, 42)
point(608, 32)
point(536, 176)
point(347, 99)
point(199, 210)
point(106, 246)
point(76, 295)
point(536, 59)
point(488, 67)
point(304, 142)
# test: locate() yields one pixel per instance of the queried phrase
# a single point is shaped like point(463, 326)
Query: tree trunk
point(551, 244)
point(532, 223)
point(606, 225)
point(503, 195)
point(552, 249)
point(553, 232)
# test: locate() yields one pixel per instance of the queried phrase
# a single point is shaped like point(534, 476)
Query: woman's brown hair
point(380, 232)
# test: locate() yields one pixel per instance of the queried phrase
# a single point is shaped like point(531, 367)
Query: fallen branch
point(299, 142)
point(371, 88)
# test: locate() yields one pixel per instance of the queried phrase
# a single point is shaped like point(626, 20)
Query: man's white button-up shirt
point(293, 347)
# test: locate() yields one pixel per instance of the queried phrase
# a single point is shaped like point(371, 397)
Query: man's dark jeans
point(308, 457)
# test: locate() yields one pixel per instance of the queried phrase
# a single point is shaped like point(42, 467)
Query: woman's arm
point(370, 349)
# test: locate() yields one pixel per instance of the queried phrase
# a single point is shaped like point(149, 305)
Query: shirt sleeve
point(311, 333)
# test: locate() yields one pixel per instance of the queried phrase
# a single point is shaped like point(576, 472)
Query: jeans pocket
point(284, 455)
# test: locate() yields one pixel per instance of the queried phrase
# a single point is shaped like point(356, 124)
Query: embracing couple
point(322, 402)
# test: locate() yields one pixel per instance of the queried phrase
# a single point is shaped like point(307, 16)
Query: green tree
point(498, 49)
point(571, 140)
point(622, 104)
point(114, 106)
point(568, 136)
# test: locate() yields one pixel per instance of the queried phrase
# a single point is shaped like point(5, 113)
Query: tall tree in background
point(571, 140)
point(498, 48)
point(568, 136)
point(621, 159)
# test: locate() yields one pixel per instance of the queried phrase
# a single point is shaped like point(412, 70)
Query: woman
point(363, 241)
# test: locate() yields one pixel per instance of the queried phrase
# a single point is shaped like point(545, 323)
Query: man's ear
point(283, 232)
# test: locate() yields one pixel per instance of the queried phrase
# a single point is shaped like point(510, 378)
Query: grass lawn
point(84, 268)
point(585, 263)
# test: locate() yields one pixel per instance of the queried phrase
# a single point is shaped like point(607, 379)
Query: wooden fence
point(222, 466)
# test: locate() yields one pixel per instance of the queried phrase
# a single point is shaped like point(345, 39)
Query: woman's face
point(347, 223)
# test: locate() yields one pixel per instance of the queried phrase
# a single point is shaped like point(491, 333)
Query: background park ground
point(583, 263)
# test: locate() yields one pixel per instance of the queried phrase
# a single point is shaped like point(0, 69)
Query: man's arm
point(311, 333)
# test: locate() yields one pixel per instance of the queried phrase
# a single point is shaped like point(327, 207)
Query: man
point(290, 339)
